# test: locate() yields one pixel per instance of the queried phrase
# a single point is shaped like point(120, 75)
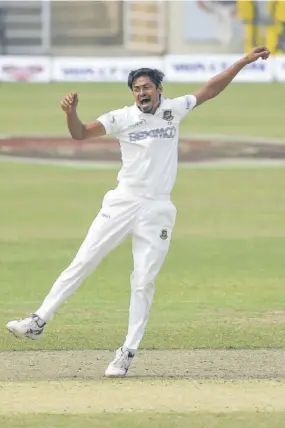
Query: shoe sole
point(12, 332)
point(115, 376)
point(18, 336)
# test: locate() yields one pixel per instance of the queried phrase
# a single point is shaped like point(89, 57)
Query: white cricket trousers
point(150, 222)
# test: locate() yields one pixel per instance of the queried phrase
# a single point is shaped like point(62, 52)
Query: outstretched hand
point(258, 52)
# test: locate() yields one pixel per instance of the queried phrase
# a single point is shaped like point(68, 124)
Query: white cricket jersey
point(149, 145)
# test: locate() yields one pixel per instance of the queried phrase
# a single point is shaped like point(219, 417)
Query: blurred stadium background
point(90, 46)
point(222, 286)
point(114, 28)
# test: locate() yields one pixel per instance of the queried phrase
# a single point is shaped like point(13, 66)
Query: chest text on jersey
point(168, 132)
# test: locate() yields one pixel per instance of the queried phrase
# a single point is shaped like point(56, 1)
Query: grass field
point(248, 110)
point(222, 286)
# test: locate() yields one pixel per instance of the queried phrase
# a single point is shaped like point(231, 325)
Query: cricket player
point(140, 205)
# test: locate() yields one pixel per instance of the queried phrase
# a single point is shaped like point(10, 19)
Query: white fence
point(186, 68)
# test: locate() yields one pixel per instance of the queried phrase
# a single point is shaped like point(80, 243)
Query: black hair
point(156, 76)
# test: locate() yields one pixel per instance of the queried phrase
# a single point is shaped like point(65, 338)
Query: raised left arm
point(219, 82)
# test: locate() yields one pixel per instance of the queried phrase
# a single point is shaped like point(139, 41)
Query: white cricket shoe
point(31, 327)
point(120, 365)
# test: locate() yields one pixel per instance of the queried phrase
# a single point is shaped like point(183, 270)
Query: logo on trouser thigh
point(164, 234)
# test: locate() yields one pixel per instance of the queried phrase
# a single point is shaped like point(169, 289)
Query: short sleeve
point(182, 105)
point(112, 121)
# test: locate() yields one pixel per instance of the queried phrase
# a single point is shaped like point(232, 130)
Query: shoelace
point(124, 359)
point(38, 321)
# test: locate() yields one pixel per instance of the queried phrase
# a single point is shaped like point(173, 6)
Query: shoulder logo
point(188, 103)
point(167, 115)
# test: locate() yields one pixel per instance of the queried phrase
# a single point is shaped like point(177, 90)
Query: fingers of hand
point(64, 105)
point(263, 55)
point(259, 49)
point(70, 100)
point(261, 52)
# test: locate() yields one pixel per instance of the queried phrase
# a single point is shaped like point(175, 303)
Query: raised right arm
point(77, 129)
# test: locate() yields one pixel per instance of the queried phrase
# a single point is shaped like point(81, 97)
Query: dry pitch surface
point(182, 381)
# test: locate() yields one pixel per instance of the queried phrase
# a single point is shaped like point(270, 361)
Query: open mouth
point(144, 101)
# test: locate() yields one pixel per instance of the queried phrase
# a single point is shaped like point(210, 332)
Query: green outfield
point(248, 110)
point(221, 287)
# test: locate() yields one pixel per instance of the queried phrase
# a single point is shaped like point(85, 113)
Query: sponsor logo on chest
point(160, 133)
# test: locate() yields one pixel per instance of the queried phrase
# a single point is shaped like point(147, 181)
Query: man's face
point(146, 94)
